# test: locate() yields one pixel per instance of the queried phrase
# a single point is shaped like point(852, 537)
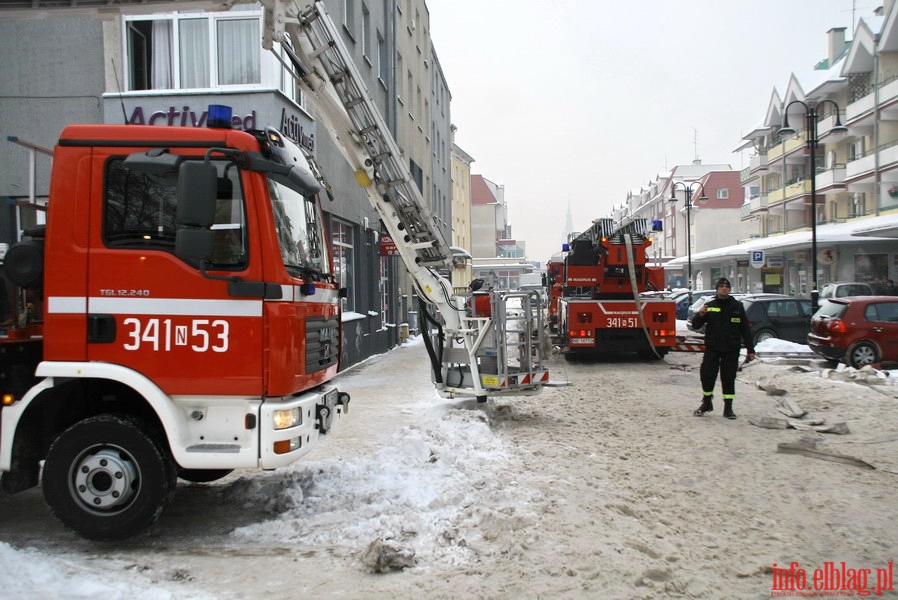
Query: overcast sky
point(581, 101)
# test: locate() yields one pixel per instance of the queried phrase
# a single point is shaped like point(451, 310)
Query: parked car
point(683, 301)
point(783, 317)
point(859, 330)
point(842, 289)
point(769, 316)
point(693, 308)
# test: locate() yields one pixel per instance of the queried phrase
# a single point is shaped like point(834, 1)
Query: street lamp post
point(811, 116)
point(688, 188)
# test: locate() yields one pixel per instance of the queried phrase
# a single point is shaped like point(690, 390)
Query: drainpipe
point(877, 176)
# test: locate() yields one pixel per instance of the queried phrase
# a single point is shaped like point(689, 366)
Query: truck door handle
point(100, 329)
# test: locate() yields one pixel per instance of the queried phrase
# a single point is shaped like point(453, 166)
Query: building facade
point(461, 213)
point(822, 183)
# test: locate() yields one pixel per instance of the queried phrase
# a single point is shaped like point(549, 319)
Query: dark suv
point(783, 317)
point(859, 330)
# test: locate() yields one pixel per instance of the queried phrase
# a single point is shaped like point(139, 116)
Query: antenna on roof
point(695, 143)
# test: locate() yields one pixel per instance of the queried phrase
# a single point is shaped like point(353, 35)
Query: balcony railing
point(758, 161)
point(797, 188)
point(757, 203)
point(864, 102)
point(866, 162)
point(832, 176)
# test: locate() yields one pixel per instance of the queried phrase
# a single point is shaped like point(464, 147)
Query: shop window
point(344, 259)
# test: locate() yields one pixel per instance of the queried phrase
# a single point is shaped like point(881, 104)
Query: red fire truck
point(598, 287)
point(178, 315)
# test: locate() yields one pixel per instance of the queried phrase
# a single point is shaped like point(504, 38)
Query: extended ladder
point(475, 348)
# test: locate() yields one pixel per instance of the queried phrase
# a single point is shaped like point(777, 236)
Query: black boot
point(728, 409)
point(706, 406)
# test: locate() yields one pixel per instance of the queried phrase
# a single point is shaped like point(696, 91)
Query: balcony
point(860, 112)
point(758, 162)
point(867, 163)
point(860, 165)
point(775, 196)
point(791, 143)
point(757, 203)
point(745, 175)
point(827, 178)
point(797, 188)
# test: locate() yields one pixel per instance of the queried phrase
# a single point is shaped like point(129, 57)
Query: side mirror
point(194, 243)
point(197, 194)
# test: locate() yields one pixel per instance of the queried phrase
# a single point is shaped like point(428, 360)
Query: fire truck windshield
point(299, 232)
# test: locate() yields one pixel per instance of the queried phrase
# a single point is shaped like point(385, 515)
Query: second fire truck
point(595, 289)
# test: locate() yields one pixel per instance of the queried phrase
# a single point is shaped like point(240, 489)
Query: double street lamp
point(811, 116)
point(689, 188)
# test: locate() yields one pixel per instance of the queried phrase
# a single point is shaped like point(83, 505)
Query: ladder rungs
point(421, 245)
point(321, 50)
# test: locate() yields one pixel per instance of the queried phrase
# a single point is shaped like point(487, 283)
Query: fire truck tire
point(108, 477)
point(203, 475)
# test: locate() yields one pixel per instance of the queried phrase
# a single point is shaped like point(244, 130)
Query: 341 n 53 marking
point(199, 335)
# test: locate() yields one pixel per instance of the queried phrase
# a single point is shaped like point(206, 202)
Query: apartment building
point(846, 181)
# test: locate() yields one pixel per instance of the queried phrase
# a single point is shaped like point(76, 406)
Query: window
point(349, 16)
point(288, 82)
point(723, 193)
point(383, 65)
point(140, 209)
point(193, 50)
point(384, 281)
point(858, 204)
point(882, 312)
point(341, 240)
point(399, 70)
point(239, 46)
point(366, 32)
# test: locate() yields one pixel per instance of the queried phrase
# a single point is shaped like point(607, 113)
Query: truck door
point(155, 313)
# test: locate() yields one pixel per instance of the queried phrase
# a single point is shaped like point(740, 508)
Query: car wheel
point(108, 477)
point(764, 334)
point(862, 353)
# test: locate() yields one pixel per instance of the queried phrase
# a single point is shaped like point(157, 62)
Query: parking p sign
point(757, 259)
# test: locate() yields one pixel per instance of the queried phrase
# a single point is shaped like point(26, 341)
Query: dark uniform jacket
point(727, 326)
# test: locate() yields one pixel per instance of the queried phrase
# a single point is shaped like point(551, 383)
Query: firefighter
point(726, 331)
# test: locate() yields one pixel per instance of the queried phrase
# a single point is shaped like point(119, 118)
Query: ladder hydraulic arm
point(475, 356)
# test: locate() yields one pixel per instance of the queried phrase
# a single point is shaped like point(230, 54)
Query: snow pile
point(30, 574)
point(438, 488)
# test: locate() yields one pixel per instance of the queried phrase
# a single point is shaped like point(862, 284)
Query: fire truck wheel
point(107, 477)
point(203, 475)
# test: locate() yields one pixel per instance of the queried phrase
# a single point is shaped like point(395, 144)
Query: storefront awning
point(836, 233)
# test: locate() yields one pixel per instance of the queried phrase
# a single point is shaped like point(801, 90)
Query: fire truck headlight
point(284, 419)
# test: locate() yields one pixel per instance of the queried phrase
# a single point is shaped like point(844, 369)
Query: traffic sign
point(757, 259)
